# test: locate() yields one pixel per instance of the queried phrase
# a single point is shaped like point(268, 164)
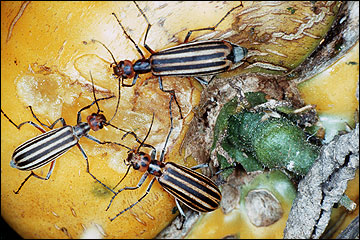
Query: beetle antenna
point(128, 36)
point(123, 176)
point(93, 88)
point(94, 40)
point(117, 104)
point(168, 136)
point(142, 143)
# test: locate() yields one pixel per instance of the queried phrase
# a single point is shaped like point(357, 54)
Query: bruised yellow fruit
point(333, 91)
point(260, 208)
point(281, 35)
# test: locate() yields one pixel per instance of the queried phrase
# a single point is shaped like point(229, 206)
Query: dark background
point(6, 232)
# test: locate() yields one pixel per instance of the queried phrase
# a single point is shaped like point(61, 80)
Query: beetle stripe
point(43, 149)
point(45, 155)
point(192, 203)
point(43, 162)
point(192, 68)
point(201, 181)
point(198, 58)
point(39, 142)
point(34, 140)
point(193, 46)
point(192, 186)
point(195, 190)
point(182, 51)
point(196, 202)
point(25, 150)
point(187, 59)
point(40, 160)
point(184, 56)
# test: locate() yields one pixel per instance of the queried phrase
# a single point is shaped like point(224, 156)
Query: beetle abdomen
point(43, 149)
point(193, 59)
point(195, 190)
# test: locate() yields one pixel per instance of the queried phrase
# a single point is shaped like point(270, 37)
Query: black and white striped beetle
point(48, 146)
point(195, 190)
point(190, 59)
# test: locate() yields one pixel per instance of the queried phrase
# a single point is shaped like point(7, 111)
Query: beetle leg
point(127, 171)
point(132, 188)
point(211, 28)
point(200, 166)
point(201, 80)
point(52, 125)
point(168, 136)
point(172, 92)
point(182, 214)
point(34, 124)
point(140, 183)
point(37, 176)
point(147, 29)
point(128, 36)
point(88, 168)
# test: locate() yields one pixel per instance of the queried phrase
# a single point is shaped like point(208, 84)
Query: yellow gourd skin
point(334, 93)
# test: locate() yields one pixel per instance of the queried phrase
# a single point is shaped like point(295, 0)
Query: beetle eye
point(136, 166)
point(117, 70)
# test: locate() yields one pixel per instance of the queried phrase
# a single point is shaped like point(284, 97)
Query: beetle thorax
point(155, 168)
point(81, 129)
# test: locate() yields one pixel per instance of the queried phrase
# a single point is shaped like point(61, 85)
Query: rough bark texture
point(323, 186)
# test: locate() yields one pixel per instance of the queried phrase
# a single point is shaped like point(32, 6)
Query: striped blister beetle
point(195, 190)
point(190, 59)
point(50, 145)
